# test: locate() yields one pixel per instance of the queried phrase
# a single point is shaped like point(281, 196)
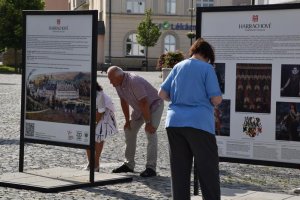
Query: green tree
point(11, 30)
point(147, 33)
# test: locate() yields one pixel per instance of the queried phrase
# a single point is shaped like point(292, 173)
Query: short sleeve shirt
point(133, 89)
point(100, 104)
point(104, 102)
point(190, 86)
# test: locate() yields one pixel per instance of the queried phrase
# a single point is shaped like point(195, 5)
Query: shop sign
point(178, 26)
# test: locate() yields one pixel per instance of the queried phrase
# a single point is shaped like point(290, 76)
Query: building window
point(135, 6)
point(205, 3)
point(261, 2)
point(132, 47)
point(170, 6)
point(169, 43)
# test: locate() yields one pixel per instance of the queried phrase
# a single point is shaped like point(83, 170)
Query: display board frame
point(52, 50)
point(51, 40)
point(260, 23)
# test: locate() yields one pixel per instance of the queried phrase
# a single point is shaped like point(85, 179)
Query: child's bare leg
point(98, 151)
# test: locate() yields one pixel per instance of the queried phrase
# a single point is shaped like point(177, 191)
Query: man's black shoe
point(123, 169)
point(148, 173)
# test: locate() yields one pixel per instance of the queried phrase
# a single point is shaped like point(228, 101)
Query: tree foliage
point(147, 32)
point(11, 21)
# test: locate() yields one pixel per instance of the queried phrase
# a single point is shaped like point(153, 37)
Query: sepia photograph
point(62, 97)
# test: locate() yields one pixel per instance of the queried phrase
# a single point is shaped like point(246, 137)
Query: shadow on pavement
point(159, 183)
point(9, 141)
point(162, 184)
point(116, 194)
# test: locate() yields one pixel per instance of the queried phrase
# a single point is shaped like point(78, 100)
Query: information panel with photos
point(258, 67)
point(58, 76)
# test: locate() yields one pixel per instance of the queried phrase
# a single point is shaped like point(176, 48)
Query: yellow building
point(121, 17)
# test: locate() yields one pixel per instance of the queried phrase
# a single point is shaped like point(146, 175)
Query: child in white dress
point(106, 124)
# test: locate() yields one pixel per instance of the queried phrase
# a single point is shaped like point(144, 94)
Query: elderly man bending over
point(147, 108)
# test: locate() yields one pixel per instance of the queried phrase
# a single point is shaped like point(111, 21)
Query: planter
point(191, 35)
point(169, 59)
point(165, 72)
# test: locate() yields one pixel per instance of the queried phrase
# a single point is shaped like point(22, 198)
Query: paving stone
point(263, 178)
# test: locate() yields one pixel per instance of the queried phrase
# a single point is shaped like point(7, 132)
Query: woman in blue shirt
point(193, 90)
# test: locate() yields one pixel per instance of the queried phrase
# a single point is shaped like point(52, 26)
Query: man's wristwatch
point(148, 122)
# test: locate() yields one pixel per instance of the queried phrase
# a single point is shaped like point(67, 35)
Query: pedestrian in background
point(193, 91)
point(147, 108)
point(106, 125)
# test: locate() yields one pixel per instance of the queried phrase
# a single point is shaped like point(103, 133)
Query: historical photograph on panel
point(287, 121)
point(253, 88)
point(222, 118)
point(220, 71)
point(290, 81)
point(62, 97)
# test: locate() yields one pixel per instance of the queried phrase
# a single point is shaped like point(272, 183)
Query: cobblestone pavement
point(239, 176)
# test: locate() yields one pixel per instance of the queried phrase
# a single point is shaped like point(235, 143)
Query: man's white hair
point(116, 70)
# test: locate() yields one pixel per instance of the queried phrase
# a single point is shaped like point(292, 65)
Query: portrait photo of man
point(290, 81)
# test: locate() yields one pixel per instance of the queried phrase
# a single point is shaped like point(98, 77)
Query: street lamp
point(192, 12)
point(196, 179)
point(109, 39)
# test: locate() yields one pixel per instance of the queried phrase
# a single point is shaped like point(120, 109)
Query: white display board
point(58, 77)
point(258, 66)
